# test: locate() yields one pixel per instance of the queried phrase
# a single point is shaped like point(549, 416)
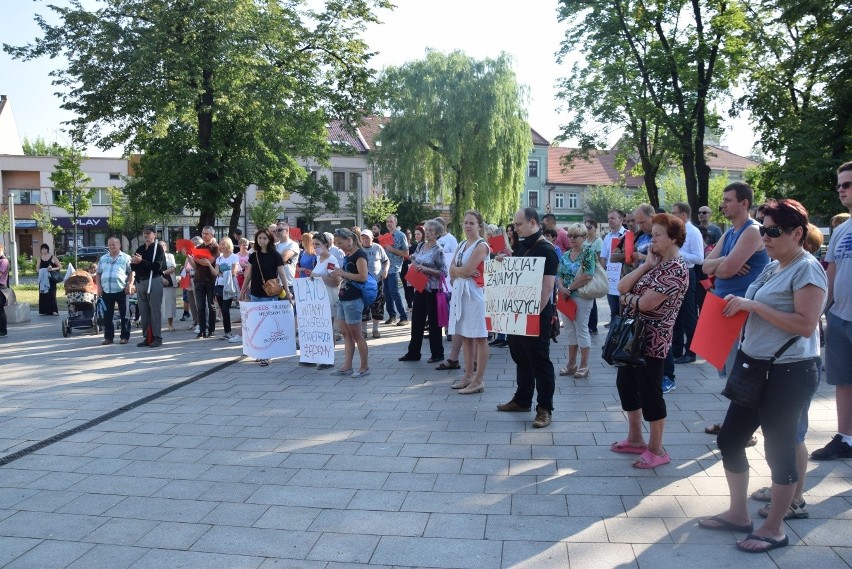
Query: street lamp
point(13, 245)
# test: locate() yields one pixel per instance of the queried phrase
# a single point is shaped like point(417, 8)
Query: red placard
point(295, 234)
point(497, 244)
point(715, 333)
point(202, 253)
point(566, 306)
point(417, 279)
point(628, 246)
point(185, 246)
point(386, 239)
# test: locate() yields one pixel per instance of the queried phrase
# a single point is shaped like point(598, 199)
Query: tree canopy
point(215, 94)
point(457, 131)
point(317, 197)
point(74, 196)
point(655, 70)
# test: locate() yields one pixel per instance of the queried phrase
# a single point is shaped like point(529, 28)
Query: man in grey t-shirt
point(393, 283)
point(377, 265)
point(838, 336)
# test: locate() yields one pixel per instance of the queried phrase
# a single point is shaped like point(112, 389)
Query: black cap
point(149, 229)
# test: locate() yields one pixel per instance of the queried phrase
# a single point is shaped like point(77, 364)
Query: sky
point(528, 31)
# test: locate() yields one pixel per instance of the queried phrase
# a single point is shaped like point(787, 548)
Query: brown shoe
point(513, 407)
point(123, 341)
point(106, 342)
point(542, 418)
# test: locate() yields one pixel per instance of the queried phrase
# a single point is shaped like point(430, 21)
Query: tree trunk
point(689, 174)
point(236, 213)
point(702, 170)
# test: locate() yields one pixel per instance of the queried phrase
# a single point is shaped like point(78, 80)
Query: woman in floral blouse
point(654, 292)
point(576, 268)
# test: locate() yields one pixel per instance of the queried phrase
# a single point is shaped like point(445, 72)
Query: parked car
point(90, 254)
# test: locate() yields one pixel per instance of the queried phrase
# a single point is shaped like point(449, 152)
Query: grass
point(29, 293)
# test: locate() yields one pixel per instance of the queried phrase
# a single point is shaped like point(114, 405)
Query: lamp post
point(13, 244)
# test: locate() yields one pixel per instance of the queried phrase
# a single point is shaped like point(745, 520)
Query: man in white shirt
point(692, 252)
point(615, 219)
point(448, 242)
point(289, 251)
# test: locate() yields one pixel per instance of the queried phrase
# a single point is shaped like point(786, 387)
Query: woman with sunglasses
point(784, 305)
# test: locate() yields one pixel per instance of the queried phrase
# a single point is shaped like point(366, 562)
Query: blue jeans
point(393, 298)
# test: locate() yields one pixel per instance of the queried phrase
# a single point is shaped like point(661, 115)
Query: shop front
point(90, 232)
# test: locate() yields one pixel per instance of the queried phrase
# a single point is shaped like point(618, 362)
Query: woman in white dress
point(467, 307)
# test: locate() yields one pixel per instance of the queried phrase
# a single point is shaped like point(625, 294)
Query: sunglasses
point(844, 186)
point(774, 231)
point(703, 213)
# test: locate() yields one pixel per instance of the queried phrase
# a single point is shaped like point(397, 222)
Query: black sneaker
point(185, 317)
point(833, 450)
point(402, 322)
point(391, 320)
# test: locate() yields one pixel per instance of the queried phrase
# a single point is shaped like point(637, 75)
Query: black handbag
point(55, 276)
point(625, 342)
point(748, 377)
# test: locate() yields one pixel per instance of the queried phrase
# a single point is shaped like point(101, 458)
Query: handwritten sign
point(613, 275)
point(513, 295)
point(269, 330)
point(313, 311)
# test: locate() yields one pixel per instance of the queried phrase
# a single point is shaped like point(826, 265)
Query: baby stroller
point(81, 293)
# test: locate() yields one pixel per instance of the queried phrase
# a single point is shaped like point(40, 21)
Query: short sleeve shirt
point(376, 257)
point(289, 266)
point(264, 266)
point(114, 272)
point(840, 253)
point(350, 265)
point(399, 242)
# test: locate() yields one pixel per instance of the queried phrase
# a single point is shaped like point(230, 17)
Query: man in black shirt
point(148, 263)
point(531, 354)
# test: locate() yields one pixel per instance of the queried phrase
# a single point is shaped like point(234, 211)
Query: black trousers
point(531, 355)
point(425, 306)
point(111, 299)
point(687, 319)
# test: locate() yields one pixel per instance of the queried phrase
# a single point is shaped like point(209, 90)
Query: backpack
point(369, 290)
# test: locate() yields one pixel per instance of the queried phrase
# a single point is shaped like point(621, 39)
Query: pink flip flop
point(626, 447)
point(651, 460)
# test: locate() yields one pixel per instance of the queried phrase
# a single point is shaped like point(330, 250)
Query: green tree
point(668, 61)
point(72, 183)
point(40, 147)
point(411, 213)
point(215, 94)
point(128, 214)
point(377, 208)
point(266, 209)
point(44, 222)
point(318, 196)
point(457, 125)
point(600, 200)
point(798, 95)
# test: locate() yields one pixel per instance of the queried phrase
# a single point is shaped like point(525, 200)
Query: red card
point(295, 234)
point(386, 239)
point(707, 283)
point(202, 253)
point(715, 334)
point(185, 246)
point(566, 306)
point(417, 279)
point(497, 244)
point(185, 281)
point(628, 246)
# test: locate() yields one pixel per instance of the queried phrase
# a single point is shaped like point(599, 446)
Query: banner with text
point(313, 312)
point(513, 295)
point(269, 330)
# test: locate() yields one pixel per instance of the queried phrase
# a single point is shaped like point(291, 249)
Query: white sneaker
point(235, 339)
point(227, 336)
point(196, 330)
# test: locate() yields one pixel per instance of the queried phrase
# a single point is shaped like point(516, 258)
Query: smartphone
point(331, 267)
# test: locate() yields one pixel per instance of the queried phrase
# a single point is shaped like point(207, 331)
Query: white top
point(693, 248)
point(607, 243)
point(225, 265)
point(449, 243)
point(289, 267)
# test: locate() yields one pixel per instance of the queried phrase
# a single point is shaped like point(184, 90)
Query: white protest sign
point(313, 311)
point(269, 330)
point(513, 295)
point(613, 275)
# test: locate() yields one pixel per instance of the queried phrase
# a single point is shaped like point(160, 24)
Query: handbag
point(443, 301)
point(625, 342)
point(271, 287)
point(55, 276)
point(597, 287)
point(749, 375)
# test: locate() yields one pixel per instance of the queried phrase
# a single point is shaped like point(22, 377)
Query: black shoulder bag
point(749, 375)
point(625, 341)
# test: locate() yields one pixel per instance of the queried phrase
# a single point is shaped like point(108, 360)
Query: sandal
point(582, 373)
point(625, 447)
point(794, 512)
point(449, 364)
point(649, 460)
point(762, 495)
point(263, 363)
point(722, 524)
point(714, 430)
point(568, 370)
point(773, 543)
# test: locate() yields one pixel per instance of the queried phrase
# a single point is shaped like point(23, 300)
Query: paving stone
point(13, 547)
point(229, 514)
point(44, 525)
point(162, 509)
point(257, 542)
point(160, 558)
point(535, 555)
point(287, 518)
point(50, 553)
point(117, 531)
point(171, 535)
point(370, 522)
point(437, 552)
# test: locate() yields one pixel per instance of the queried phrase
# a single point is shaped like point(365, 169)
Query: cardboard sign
point(313, 311)
point(566, 306)
point(416, 279)
point(269, 330)
point(613, 275)
point(715, 333)
point(513, 295)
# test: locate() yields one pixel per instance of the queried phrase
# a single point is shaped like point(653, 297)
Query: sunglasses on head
point(844, 186)
point(774, 231)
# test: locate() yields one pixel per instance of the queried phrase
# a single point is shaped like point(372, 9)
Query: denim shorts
point(350, 310)
point(838, 351)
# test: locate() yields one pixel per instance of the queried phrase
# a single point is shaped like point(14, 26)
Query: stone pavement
point(286, 466)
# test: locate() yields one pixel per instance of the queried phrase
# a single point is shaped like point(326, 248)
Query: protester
point(351, 303)
point(576, 269)
point(307, 257)
point(595, 243)
point(616, 230)
point(393, 282)
point(114, 279)
point(243, 256)
point(784, 305)
point(714, 233)
point(264, 263)
point(204, 281)
point(838, 340)
point(325, 264)
point(47, 264)
point(413, 242)
point(225, 289)
point(561, 239)
point(654, 292)
point(148, 262)
point(4, 284)
point(169, 287)
point(531, 354)
point(428, 259)
point(378, 265)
